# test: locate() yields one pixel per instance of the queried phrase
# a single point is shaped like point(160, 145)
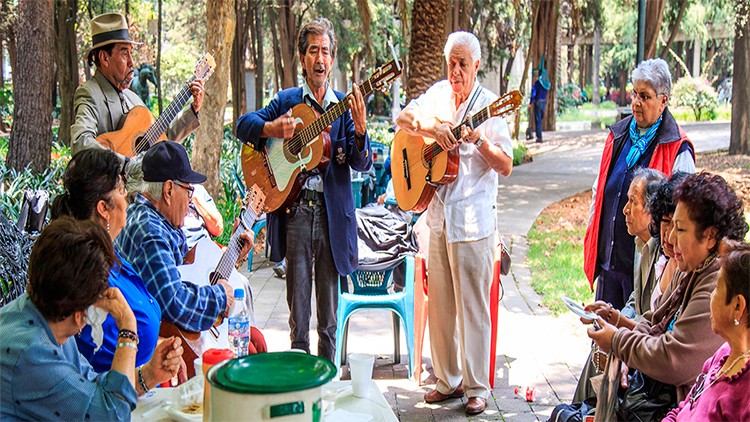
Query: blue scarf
point(640, 142)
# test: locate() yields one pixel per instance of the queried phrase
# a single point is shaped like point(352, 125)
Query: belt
point(310, 196)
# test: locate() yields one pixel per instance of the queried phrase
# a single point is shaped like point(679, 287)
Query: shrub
point(697, 94)
point(570, 96)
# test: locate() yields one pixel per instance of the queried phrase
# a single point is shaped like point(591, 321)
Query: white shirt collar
point(328, 99)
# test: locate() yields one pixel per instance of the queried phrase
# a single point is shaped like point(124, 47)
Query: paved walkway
point(534, 348)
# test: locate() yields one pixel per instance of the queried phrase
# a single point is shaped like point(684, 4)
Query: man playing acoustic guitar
point(462, 220)
point(318, 232)
point(104, 100)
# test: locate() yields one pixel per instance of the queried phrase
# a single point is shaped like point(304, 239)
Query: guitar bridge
point(407, 176)
point(269, 170)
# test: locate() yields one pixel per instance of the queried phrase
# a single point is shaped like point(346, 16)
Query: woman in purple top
point(721, 390)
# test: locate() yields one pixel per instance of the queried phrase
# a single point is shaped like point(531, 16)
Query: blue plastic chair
point(370, 292)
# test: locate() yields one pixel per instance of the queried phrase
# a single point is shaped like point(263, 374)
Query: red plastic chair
point(420, 312)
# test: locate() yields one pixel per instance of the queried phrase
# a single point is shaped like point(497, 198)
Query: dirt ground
point(573, 212)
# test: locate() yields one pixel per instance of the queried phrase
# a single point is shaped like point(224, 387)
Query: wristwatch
point(479, 142)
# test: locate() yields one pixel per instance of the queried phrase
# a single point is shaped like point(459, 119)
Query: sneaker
point(280, 269)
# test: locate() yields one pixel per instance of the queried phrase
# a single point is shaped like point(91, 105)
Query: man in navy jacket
point(318, 232)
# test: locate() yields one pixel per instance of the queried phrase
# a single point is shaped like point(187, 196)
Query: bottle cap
point(239, 293)
point(214, 356)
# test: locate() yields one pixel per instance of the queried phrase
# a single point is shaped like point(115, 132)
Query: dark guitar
point(202, 271)
point(140, 130)
point(418, 165)
point(275, 169)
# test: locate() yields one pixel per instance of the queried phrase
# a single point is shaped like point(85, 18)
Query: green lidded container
point(269, 385)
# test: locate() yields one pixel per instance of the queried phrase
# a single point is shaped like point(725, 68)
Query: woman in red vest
point(649, 138)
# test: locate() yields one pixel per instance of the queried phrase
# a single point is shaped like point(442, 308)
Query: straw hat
point(109, 28)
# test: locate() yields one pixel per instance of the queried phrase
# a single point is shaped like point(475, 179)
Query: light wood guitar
point(419, 165)
point(276, 168)
point(139, 130)
point(208, 267)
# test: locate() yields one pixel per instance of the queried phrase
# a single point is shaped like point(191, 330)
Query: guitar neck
point(165, 119)
point(472, 121)
point(332, 114)
point(234, 247)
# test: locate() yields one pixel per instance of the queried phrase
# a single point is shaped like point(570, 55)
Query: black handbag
point(645, 399)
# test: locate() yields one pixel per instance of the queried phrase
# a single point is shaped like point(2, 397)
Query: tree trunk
point(623, 97)
point(158, 57)
point(426, 59)
point(31, 136)
point(675, 29)
point(239, 54)
point(3, 128)
point(545, 27)
point(654, 17)
point(277, 66)
point(459, 16)
point(220, 17)
point(259, 56)
point(739, 138)
point(288, 30)
point(66, 58)
point(595, 71)
point(527, 64)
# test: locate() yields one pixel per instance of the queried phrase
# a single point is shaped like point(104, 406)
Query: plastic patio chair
point(421, 299)
point(370, 292)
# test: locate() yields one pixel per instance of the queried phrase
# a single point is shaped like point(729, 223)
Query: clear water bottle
point(239, 325)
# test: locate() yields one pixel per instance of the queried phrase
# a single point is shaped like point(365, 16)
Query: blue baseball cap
point(169, 161)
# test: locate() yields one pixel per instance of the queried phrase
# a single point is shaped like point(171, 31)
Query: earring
point(736, 321)
point(108, 226)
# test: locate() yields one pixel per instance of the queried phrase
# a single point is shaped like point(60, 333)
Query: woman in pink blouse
point(721, 390)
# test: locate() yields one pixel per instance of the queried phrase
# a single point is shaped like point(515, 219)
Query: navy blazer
point(337, 185)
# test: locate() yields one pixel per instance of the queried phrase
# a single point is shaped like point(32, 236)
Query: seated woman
point(671, 343)
point(720, 392)
point(43, 375)
point(95, 191)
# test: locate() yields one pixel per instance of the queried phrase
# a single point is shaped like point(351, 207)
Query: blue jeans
point(539, 106)
point(308, 253)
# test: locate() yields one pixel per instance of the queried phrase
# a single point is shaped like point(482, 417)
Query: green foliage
point(520, 152)
point(569, 96)
point(232, 183)
point(697, 94)
point(6, 104)
point(555, 259)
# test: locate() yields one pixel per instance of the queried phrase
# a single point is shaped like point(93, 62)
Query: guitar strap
point(471, 103)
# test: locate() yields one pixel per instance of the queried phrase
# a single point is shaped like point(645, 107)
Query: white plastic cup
point(360, 368)
point(198, 366)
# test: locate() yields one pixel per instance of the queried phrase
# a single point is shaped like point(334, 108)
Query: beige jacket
point(98, 110)
point(675, 357)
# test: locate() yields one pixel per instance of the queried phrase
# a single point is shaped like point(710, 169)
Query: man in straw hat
point(101, 102)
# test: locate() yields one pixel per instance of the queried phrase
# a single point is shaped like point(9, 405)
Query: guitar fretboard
point(234, 247)
point(165, 119)
point(300, 139)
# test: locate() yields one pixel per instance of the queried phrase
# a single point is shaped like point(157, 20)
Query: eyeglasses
point(189, 188)
point(643, 97)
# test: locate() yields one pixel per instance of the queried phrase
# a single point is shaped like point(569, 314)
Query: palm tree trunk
point(426, 59)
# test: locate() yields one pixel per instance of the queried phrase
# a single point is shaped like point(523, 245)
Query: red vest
point(662, 159)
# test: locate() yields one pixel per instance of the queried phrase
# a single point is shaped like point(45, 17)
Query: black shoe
point(539, 141)
point(280, 269)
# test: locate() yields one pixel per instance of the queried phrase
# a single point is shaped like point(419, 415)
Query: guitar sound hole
point(141, 145)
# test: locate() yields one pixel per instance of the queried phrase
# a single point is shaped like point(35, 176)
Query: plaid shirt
point(155, 248)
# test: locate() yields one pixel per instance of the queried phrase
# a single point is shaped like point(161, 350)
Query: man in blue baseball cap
point(154, 244)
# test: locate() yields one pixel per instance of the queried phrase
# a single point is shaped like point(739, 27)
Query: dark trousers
point(614, 287)
point(539, 106)
point(308, 253)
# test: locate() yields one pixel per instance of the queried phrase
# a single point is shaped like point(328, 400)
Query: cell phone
point(597, 327)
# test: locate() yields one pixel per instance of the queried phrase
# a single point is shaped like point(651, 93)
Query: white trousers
point(459, 277)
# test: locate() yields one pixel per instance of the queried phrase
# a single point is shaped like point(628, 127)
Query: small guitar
point(200, 273)
point(139, 130)
point(418, 165)
point(276, 168)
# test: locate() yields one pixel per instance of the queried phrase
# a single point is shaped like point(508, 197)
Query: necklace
point(699, 388)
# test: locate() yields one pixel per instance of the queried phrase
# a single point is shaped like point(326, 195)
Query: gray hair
point(153, 189)
point(651, 179)
point(656, 73)
point(466, 39)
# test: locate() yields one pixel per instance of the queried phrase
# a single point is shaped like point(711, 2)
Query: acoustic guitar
point(419, 165)
point(276, 168)
point(139, 130)
point(209, 266)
